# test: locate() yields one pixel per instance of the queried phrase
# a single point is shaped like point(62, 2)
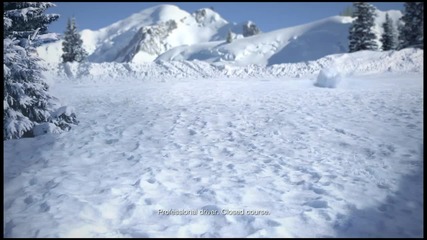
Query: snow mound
point(328, 78)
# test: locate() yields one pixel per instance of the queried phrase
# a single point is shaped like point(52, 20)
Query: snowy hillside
point(192, 149)
point(289, 45)
point(301, 43)
point(166, 32)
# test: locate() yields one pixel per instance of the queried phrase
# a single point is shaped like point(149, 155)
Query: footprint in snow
point(111, 141)
point(137, 183)
point(51, 184)
point(8, 228)
point(44, 207)
point(317, 204)
point(369, 153)
point(340, 130)
point(33, 181)
point(318, 190)
point(230, 166)
point(191, 132)
point(28, 200)
point(148, 201)
point(386, 150)
point(344, 144)
point(206, 193)
point(273, 223)
point(128, 210)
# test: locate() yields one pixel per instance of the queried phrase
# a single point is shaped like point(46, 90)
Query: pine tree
point(26, 17)
point(250, 29)
point(361, 34)
point(388, 38)
point(27, 102)
point(412, 32)
point(72, 45)
point(229, 37)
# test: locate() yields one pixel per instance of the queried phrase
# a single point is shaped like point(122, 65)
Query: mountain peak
point(164, 12)
point(206, 16)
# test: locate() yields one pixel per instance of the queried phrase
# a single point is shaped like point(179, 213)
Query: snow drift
point(363, 62)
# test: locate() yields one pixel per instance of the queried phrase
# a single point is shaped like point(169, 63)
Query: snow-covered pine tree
point(388, 38)
point(412, 32)
point(26, 17)
point(250, 29)
point(72, 45)
point(27, 103)
point(361, 34)
point(229, 36)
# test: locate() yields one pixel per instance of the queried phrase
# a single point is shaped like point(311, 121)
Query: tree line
point(410, 32)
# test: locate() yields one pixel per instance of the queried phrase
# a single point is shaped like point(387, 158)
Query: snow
point(394, 15)
point(44, 128)
point(261, 149)
point(306, 42)
point(104, 45)
point(51, 53)
point(328, 77)
point(201, 36)
point(286, 45)
point(366, 62)
point(64, 110)
point(108, 42)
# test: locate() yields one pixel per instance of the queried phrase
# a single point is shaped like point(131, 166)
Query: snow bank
point(358, 63)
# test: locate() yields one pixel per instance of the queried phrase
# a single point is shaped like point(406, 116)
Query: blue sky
point(267, 15)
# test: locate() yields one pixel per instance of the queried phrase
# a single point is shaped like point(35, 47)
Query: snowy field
point(310, 161)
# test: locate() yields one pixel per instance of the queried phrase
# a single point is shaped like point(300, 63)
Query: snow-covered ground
point(312, 162)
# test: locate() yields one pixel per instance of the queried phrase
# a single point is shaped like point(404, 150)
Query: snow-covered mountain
point(145, 35)
point(301, 43)
point(166, 32)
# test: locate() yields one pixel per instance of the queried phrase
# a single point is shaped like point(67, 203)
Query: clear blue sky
point(267, 15)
